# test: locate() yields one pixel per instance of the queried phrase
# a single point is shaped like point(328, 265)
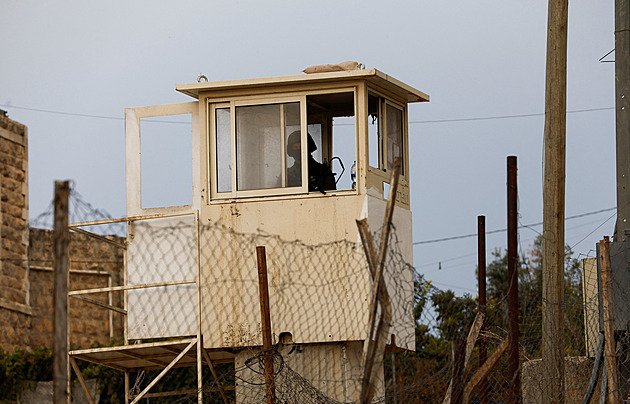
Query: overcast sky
point(476, 59)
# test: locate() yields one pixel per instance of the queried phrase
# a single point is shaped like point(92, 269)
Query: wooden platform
point(152, 355)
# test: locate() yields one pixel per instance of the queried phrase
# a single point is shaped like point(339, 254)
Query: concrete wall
point(319, 283)
point(306, 373)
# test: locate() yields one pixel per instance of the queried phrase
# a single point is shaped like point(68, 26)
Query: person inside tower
point(320, 178)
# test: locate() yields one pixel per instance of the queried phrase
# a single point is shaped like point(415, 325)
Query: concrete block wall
point(15, 307)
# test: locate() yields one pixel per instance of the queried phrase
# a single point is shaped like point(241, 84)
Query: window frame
point(232, 104)
point(213, 103)
point(403, 146)
point(382, 135)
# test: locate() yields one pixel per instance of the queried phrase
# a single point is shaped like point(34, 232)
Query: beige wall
point(319, 283)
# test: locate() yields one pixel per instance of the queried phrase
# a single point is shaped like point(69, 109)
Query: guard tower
point(252, 145)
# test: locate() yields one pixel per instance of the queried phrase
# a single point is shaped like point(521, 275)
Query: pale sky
point(480, 59)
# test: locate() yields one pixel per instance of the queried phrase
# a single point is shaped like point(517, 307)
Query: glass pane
point(258, 147)
point(292, 130)
point(394, 135)
point(343, 139)
point(224, 156)
point(374, 135)
point(315, 130)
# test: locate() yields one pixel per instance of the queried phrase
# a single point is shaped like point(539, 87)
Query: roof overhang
point(372, 76)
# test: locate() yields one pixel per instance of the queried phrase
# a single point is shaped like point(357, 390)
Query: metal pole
point(553, 203)
point(622, 116)
point(61, 239)
point(481, 282)
point(266, 322)
point(512, 272)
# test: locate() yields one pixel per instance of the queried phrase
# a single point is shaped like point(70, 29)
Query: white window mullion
point(233, 151)
point(283, 147)
point(382, 134)
point(304, 147)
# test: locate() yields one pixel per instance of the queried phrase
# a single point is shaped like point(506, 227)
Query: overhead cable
point(485, 118)
point(502, 230)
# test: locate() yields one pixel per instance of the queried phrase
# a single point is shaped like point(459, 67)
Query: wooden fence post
point(266, 323)
point(609, 323)
point(61, 239)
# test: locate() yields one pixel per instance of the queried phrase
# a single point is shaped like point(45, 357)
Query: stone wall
point(93, 264)
point(26, 264)
point(14, 281)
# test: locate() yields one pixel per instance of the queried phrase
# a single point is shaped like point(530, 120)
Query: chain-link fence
point(189, 281)
point(185, 280)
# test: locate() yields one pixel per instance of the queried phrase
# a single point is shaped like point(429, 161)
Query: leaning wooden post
point(373, 349)
point(458, 372)
point(609, 323)
point(61, 239)
point(266, 322)
point(471, 340)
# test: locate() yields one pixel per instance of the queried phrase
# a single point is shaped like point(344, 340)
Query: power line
point(438, 240)
point(485, 118)
point(509, 116)
point(116, 118)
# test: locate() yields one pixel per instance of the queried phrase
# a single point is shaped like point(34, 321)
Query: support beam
point(101, 304)
point(77, 371)
point(184, 392)
point(163, 372)
point(216, 376)
point(100, 238)
point(131, 287)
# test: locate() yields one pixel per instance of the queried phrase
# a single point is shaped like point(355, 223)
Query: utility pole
point(622, 116)
point(553, 203)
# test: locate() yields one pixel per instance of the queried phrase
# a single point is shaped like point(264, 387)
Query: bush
point(23, 369)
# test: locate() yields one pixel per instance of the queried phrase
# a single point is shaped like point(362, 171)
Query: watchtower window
point(334, 115)
point(262, 132)
point(385, 132)
point(394, 120)
point(287, 145)
point(250, 147)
